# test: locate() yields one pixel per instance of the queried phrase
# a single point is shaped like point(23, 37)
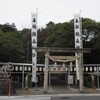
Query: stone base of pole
point(45, 92)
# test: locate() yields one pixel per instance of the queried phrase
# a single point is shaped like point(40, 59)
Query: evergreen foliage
point(15, 46)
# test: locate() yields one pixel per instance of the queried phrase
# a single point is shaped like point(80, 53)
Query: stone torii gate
point(48, 50)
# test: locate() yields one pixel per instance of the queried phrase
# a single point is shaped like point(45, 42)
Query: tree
point(26, 40)
point(16, 46)
point(61, 35)
point(8, 28)
point(11, 48)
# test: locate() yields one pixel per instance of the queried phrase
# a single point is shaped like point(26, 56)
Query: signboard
point(34, 45)
point(70, 79)
point(77, 29)
point(78, 38)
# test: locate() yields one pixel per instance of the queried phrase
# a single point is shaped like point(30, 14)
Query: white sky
point(19, 11)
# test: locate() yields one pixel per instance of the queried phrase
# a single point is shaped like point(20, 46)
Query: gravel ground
point(55, 90)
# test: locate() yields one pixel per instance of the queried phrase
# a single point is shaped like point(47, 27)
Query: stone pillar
point(26, 81)
point(45, 89)
point(81, 84)
point(92, 76)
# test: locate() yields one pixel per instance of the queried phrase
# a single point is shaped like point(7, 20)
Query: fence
point(20, 70)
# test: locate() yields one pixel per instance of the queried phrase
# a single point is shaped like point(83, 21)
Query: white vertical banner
point(78, 38)
point(34, 44)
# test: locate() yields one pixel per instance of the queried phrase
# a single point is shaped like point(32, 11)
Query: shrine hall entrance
point(61, 79)
point(58, 79)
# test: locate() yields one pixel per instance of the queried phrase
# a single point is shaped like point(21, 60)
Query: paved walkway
point(54, 97)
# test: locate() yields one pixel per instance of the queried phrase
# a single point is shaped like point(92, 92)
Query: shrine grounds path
point(54, 93)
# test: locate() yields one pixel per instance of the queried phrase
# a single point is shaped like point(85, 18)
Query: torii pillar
point(45, 90)
point(81, 82)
